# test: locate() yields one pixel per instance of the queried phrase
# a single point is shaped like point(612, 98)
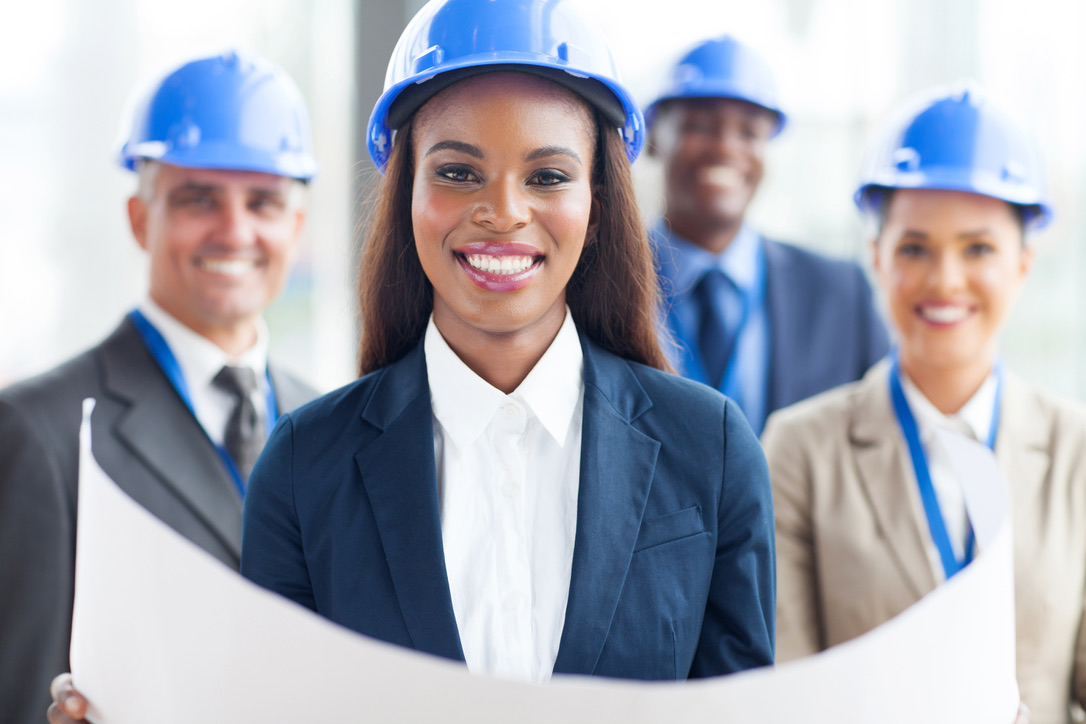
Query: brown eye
point(457, 173)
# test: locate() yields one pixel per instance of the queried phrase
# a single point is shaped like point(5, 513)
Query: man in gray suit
point(185, 394)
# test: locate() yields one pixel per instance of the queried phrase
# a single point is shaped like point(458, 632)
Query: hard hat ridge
point(229, 111)
point(449, 40)
point(954, 138)
point(722, 67)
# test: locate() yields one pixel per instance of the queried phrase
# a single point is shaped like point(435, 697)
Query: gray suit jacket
point(148, 442)
point(853, 547)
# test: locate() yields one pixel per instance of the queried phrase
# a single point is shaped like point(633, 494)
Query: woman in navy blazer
point(497, 149)
point(673, 564)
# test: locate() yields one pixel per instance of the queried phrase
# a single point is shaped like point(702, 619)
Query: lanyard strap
point(951, 563)
point(156, 344)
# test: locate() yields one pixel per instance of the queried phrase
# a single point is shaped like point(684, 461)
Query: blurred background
point(69, 268)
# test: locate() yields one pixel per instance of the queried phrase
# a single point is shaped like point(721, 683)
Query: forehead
point(170, 176)
point(721, 108)
point(929, 207)
point(483, 102)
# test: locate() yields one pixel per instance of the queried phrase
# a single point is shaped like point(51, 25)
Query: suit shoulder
point(1066, 418)
point(669, 390)
point(814, 261)
point(78, 377)
point(338, 407)
point(818, 417)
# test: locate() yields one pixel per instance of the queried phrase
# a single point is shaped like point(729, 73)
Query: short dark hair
point(612, 295)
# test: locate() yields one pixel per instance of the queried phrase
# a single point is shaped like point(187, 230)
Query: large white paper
point(164, 633)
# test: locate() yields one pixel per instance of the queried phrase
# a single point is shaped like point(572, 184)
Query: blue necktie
point(714, 337)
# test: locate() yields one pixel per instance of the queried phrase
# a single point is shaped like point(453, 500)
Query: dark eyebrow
point(548, 151)
point(970, 234)
point(193, 186)
point(914, 234)
point(460, 146)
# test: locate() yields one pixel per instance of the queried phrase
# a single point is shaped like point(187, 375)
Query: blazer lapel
point(160, 430)
point(885, 470)
point(617, 465)
point(1022, 443)
point(398, 470)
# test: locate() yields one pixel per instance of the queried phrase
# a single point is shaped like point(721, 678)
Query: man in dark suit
point(766, 323)
point(185, 394)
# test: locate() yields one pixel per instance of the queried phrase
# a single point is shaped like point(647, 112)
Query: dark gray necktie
point(245, 432)
point(714, 337)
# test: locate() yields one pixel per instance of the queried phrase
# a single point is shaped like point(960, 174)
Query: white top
point(974, 420)
point(200, 360)
point(508, 471)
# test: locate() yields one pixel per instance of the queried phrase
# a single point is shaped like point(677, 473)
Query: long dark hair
point(613, 293)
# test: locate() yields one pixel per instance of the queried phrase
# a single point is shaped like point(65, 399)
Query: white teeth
point(227, 267)
point(944, 315)
point(500, 264)
point(727, 176)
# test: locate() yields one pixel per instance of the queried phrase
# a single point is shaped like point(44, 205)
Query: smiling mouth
point(944, 314)
point(499, 267)
point(227, 267)
point(725, 177)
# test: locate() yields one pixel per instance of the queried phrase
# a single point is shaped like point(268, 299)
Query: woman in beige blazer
point(953, 190)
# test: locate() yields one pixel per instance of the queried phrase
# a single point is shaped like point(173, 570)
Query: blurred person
point(870, 516)
point(185, 392)
point(764, 322)
point(520, 485)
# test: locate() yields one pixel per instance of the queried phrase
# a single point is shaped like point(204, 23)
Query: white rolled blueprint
point(164, 633)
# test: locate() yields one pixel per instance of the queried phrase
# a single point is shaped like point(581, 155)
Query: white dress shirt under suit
point(508, 470)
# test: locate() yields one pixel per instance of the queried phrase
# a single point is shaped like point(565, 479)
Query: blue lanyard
point(751, 299)
point(951, 563)
point(164, 356)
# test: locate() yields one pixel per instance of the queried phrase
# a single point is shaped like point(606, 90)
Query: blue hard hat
point(723, 68)
point(229, 111)
point(955, 139)
point(449, 40)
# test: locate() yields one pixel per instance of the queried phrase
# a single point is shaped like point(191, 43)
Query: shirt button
point(511, 410)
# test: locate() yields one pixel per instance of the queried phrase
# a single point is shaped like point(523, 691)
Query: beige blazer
point(853, 548)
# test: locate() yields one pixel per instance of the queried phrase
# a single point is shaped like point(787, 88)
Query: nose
point(503, 206)
point(948, 273)
point(236, 227)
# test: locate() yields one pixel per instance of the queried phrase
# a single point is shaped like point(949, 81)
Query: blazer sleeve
point(37, 572)
point(271, 539)
point(738, 630)
point(798, 626)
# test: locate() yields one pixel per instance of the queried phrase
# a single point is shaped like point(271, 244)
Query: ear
point(592, 233)
point(137, 220)
point(300, 216)
point(1025, 262)
point(873, 249)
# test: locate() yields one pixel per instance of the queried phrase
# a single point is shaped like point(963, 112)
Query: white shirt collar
point(201, 359)
point(464, 403)
point(973, 419)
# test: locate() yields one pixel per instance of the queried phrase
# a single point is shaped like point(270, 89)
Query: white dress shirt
point(200, 360)
point(508, 472)
point(974, 420)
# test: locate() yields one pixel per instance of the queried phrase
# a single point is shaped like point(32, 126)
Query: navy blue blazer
point(824, 329)
point(673, 566)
